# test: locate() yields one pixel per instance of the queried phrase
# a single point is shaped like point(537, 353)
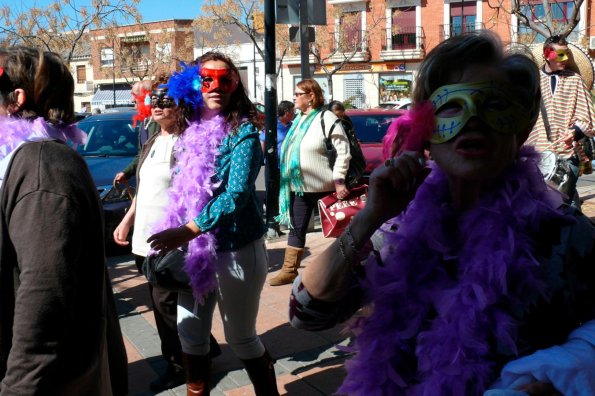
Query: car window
point(371, 128)
point(109, 138)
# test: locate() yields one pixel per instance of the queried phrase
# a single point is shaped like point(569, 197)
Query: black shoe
point(172, 378)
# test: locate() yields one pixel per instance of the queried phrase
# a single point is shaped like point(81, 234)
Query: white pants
point(240, 277)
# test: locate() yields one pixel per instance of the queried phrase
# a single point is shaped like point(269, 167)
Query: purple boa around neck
point(196, 151)
point(14, 131)
point(434, 333)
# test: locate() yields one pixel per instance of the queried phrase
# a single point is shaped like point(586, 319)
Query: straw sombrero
point(578, 61)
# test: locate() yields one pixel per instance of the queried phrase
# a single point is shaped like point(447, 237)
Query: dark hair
point(46, 80)
point(337, 104)
point(285, 106)
point(184, 112)
point(478, 48)
point(240, 106)
point(311, 86)
point(556, 39)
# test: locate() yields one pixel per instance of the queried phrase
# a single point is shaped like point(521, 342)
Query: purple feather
point(196, 153)
point(493, 253)
point(14, 131)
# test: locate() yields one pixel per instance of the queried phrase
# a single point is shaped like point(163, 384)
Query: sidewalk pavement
point(308, 363)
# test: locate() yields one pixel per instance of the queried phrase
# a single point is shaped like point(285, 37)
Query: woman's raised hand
point(393, 185)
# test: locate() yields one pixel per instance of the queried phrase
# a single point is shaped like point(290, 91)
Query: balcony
point(135, 67)
point(352, 45)
point(447, 31)
point(401, 43)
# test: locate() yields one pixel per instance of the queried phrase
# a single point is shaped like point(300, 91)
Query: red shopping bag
point(335, 214)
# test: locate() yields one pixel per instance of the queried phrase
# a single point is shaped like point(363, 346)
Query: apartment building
point(387, 40)
point(118, 57)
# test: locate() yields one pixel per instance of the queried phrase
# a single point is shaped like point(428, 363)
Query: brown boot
point(198, 371)
point(261, 371)
point(291, 263)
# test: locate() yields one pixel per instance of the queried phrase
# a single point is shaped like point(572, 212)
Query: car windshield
point(371, 128)
point(111, 137)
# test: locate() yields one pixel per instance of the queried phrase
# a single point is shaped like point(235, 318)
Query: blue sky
point(157, 10)
point(151, 10)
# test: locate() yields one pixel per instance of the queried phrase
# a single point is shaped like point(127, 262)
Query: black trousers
point(300, 212)
point(165, 309)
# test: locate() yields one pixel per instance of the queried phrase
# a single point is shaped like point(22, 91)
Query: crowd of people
point(466, 273)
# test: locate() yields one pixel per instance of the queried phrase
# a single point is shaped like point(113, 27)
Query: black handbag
point(166, 271)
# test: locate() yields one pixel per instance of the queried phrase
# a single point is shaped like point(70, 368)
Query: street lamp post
point(114, 70)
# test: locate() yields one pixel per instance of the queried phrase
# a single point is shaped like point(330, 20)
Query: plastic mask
point(160, 99)
point(224, 79)
point(560, 55)
point(491, 101)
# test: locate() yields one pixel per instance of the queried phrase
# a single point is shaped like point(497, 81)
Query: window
point(107, 57)
point(462, 17)
point(354, 92)
point(163, 51)
point(350, 32)
point(403, 28)
point(81, 74)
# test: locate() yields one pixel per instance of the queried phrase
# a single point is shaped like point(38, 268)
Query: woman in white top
point(148, 207)
point(305, 172)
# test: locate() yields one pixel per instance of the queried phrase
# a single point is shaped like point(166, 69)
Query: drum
point(556, 171)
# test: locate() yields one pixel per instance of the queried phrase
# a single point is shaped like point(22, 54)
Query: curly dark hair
point(240, 106)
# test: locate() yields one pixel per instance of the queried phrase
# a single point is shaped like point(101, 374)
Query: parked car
point(370, 127)
point(112, 143)
point(403, 104)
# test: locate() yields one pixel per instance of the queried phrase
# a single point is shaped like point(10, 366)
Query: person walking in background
point(59, 331)
point(285, 116)
point(566, 114)
point(305, 172)
point(214, 215)
point(476, 277)
point(141, 90)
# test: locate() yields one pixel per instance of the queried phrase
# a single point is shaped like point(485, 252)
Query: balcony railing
point(347, 42)
point(136, 67)
point(402, 38)
point(447, 31)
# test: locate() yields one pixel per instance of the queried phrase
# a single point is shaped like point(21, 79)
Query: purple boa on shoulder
point(196, 151)
point(430, 334)
point(14, 131)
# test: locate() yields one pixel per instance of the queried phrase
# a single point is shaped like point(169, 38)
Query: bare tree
point(539, 16)
point(63, 24)
point(220, 17)
point(336, 46)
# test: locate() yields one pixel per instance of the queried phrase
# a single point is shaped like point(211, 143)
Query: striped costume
point(569, 103)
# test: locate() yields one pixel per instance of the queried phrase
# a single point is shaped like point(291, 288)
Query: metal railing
point(349, 41)
point(402, 38)
point(451, 30)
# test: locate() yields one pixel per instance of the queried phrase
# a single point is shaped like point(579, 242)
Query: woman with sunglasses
point(474, 275)
point(213, 210)
point(305, 172)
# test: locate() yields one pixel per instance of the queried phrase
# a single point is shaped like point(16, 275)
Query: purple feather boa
point(14, 131)
point(196, 152)
point(429, 334)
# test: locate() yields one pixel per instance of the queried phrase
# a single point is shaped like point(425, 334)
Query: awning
point(105, 98)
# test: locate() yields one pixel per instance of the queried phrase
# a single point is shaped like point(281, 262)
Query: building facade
point(121, 56)
point(387, 39)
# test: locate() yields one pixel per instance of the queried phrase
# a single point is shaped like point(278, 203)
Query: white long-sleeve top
point(317, 175)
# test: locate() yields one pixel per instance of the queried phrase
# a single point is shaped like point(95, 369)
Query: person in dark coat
point(59, 332)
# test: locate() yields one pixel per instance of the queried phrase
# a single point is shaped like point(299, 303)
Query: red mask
point(224, 79)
